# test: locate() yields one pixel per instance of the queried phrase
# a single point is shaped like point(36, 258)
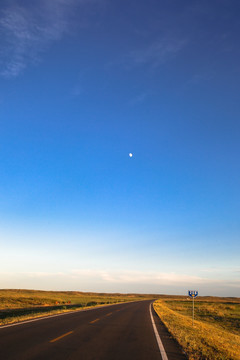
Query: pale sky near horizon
point(85, 83)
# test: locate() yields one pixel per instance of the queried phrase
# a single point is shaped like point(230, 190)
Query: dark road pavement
point(122, 331)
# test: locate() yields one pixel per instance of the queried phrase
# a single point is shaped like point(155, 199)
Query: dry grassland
point(19, 305)
point(216, 331)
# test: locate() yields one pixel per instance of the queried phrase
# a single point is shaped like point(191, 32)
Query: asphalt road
point(119, 332)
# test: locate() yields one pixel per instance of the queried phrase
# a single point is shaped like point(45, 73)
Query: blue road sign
point(193, 293)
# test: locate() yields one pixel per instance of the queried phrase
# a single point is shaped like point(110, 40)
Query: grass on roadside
point(27, 298)
point(13, 318)
point(207, 339)
point(225, 315)
point(19, 305)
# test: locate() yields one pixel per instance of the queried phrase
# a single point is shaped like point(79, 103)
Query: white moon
point(130, 154)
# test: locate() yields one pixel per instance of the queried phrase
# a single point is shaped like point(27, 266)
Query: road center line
point(159, 341)
point(60, 337)
point(109, 314)
point(92, 322)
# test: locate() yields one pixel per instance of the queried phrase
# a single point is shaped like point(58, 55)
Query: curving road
point(118, 332)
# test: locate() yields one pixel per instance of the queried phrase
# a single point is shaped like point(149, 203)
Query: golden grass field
point(19, 305)
point(216, 331)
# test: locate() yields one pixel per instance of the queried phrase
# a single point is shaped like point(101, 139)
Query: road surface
point(118, 332)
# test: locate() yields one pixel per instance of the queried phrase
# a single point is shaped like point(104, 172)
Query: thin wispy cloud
point(221, 270)
point(123, 276)
point(158, 52)
point(111, 281)
point(138, 99)
point(28, 30)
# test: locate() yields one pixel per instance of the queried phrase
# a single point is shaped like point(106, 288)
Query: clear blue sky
point(82, 84)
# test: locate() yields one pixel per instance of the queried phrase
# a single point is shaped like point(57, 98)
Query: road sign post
point(193, 294)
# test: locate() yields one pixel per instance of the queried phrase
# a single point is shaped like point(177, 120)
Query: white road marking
point(159, 341)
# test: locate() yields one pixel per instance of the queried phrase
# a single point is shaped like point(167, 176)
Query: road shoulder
point(171, 346)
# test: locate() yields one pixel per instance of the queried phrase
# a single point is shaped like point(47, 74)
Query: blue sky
point(82, 84)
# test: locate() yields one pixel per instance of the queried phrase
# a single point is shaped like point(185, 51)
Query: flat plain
point(214, 336)
point(20, 305)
